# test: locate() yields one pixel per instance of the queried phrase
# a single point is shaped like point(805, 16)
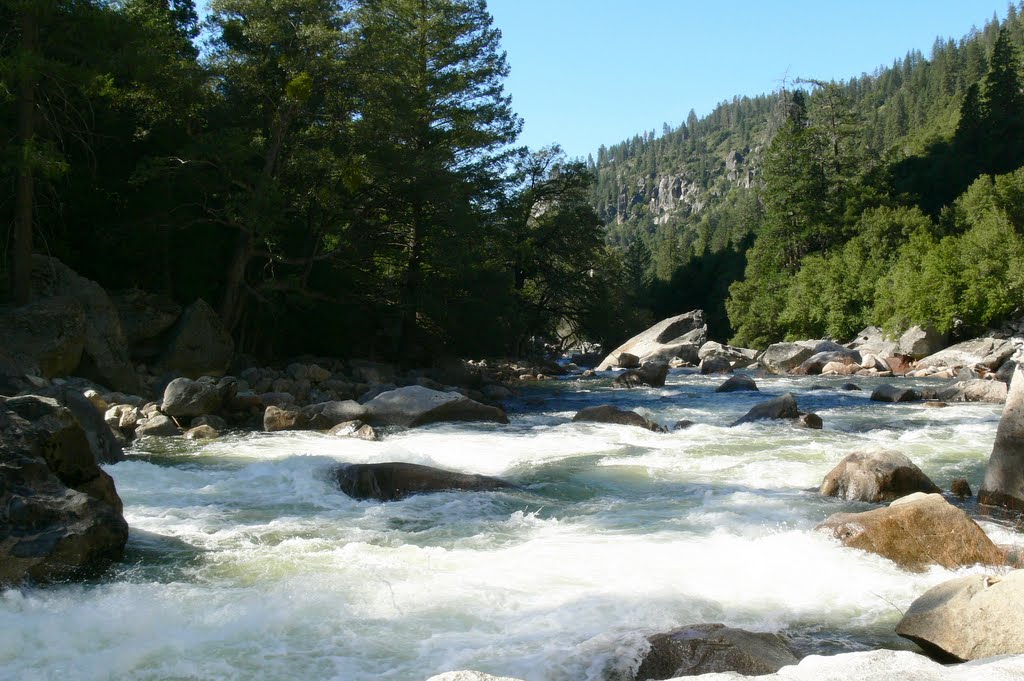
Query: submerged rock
point(915, 532)
point(705, 648)
point(1004, 475)
point(606, 413)
point(415, 405)
point(393, 481)
point(875, 476)
point(969, 618)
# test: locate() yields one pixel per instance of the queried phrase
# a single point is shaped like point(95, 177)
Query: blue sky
point(586, 73)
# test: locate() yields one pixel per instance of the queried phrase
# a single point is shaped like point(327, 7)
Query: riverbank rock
point(875, 476)
point(974, 390)
point(198, 345)
point(606, 413)
point(105, 353)
point(781, 358)
point(969, 618)
point(715, 365)
point(320, 416)
point(985, 352)
point(45, 337)
point(157, 425)
point(651, 374)
point(815, 364)
point(393, 481)
point(918, 342)
point(705, 648)
point(915, 532)
point(872, 340)
point(782, 407)
point(890, 393)
point(415, 405)
point(354, 429)
point(185, 397)
point(681, 336)
point(737, 383)
point(202, 432)
point(737, 357)
point(1004, 474)
point(145, 318)
point(62, 516)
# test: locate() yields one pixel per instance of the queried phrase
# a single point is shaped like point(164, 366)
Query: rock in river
point(606, 413)
point(1004, 476)
point(393, 481)
point(875, 476)
point(705, 648)
point(415, 405)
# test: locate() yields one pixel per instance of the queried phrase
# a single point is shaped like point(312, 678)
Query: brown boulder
point(915, 532)
point(875, 476)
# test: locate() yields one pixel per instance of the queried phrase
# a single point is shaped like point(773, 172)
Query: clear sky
point(593, 72)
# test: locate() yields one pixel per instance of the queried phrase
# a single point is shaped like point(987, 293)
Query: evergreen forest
point(343, 178)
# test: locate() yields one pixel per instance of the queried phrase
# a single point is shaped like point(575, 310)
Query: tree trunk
point(411, 291)
point(234, 287)
point(21, 248)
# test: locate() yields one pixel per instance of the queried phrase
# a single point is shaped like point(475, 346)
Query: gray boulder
point(105, 352)
point(145, 318)
point(415, 405)
point(679, 336)
point(889, 393)
point(736, 356)
point(1004, 475)
point(782, 407)
point(157, 425)
point(737, 383)
point(394, 481)
point(920, 342)
point(781, 358)
point(715, 365)
point(969, 618)
point(814, 364)
point(62, 516)
point(355, 429)
point(45, 337)
point(989, 353)
point(203, 432)
point(199, 345)
point(606, 413)
point(875, 476)
point(974, 390)
point(872, 340)
point(185, 397)
point(651, 374)
point(706, 648)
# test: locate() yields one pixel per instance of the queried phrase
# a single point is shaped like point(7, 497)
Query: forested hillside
point(830, 205)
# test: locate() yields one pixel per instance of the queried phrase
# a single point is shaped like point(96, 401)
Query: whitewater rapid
point(246, 562)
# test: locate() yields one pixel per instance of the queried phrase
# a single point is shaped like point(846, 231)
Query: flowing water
point(246, 562)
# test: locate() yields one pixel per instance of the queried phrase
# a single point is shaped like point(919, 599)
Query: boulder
point(651, 374)
point(393, 481)
point(872, 340)
point(920, 342)
point(1004, 475)
point(157, 425)
point(974, 390)
point(212, 420)
point(875, 476)
point(1005, 372)
point(356, 429)
point(185, 397)
point(45, 337)
point(102, 440)
point(781, 358)
point(201, 433)
point(782, 407)
point(679, 336)
point(62, 517)
point(606, 413)
point(737, 383)
point(105, 352)
point(969, 618)
point(705, 648)
point(985, 352)
point(415, 405)
point(715, 365)
point(916, 532)
point(813, 365)
point(145, 317)
point(838, 369)
point(277, 419)
point(736, 356)
point(198, 345)
point(812, 421)
point(889, 393)
point(899, 365)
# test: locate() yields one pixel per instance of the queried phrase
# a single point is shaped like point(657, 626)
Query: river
point(246, 562)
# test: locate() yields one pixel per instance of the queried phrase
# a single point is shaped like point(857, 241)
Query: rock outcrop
point(705, 648)
point(393, 481)
point(875, 476)
point(681, 336)
point(1004, 475)
point(915, 532)
point(606, 413)
point(989, 353)
point(415, 405)
point(61, 516)
point(969, 618)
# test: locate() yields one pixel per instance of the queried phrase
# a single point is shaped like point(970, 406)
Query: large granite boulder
point(606, 413)
point(415, 405)
point(185, 397)
point(680, 336)
point(103, 442)
point(989, 353)
point(145, 317)
point(890, 393)
point(705, 648)
point(974, 390)
point(651, 375)
point(60, 515)
point(875, 476)
point(736, 356)
point(782, 407)
point(781, 358)
point(105, 352)
point(1004, 475)
point(198, 345)
point(969, 618)
point(737, 383)
point(45, 337)
point(814, 364)
point(319, 416)
point(916, 532)
point(920, 342)
point(873, 341)
point(393, 481)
